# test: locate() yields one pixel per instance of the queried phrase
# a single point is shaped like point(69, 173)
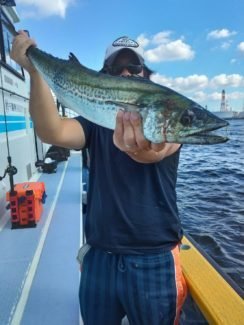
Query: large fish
point(167, 116)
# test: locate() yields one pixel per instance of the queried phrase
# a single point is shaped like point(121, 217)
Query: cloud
point(214, 96)
point(163, 80)
point(189, 83)
point(197, 82)
point(162, 37)
point(206, 91)
point(226, 45)
point(230, 96)
point(162, 48)
point(143, 40)
point(235, 95)
point(202, 96)
point(172, 51)
point(192, 82)
point(220, 33)
point(223, 80)
point(159, 38)
point(240, 47)
point(44, 8)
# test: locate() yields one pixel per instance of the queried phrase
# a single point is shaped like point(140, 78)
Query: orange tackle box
point(26, 204)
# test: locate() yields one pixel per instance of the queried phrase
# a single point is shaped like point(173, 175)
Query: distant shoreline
point(229, 115)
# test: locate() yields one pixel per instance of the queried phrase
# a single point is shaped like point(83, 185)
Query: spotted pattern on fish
point(167, 116)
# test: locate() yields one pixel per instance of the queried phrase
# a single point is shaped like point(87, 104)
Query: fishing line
point(3, 98)
point(5, 114)
point(12, 30)
point(10, 170)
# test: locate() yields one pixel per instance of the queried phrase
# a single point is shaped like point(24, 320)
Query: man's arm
point(128, 137)
point(50, 127)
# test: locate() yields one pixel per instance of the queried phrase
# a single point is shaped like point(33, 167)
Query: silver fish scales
point(167, 116)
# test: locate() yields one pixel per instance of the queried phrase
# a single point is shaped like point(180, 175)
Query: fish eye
point(187, 118)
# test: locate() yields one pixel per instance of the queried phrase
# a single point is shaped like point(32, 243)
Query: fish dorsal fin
point(73, 59)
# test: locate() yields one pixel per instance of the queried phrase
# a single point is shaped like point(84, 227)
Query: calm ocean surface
point(210, 194)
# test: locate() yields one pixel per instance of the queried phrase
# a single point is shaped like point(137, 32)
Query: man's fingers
point(22, 32)
point(119, 130)
point(158, 146)
point(129, 136)
point(141, 142)
point(24, 39)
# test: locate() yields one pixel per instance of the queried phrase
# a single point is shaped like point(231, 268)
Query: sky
point(195, 47)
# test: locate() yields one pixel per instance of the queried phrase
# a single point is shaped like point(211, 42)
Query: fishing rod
point(10, 170)
point(15, 33)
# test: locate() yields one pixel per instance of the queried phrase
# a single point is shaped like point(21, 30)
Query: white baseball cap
point(120, 44)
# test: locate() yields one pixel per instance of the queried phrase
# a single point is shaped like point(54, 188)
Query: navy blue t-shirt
point(131, 207)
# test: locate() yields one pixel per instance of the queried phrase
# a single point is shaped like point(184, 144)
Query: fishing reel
point(10, 170)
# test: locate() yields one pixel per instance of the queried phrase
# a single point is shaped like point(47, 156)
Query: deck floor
point(38, 268)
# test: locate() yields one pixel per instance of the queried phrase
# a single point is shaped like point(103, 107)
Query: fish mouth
point(207, 136)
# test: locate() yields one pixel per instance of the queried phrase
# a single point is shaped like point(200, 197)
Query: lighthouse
point(223, 106)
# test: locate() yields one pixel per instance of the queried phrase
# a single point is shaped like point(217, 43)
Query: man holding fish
point(130, 264)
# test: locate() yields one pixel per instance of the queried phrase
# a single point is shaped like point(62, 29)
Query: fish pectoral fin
point(125, 106)
point(73, 59)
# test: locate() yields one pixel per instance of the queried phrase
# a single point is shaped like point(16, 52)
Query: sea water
point(210, 192)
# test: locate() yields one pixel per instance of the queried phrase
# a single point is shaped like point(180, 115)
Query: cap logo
point(125, 42)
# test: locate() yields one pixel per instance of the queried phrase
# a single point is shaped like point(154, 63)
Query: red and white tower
point(223, 106)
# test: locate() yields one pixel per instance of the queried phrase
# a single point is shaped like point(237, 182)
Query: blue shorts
point(149, 289)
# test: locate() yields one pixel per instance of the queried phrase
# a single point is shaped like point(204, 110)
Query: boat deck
point(38, 268)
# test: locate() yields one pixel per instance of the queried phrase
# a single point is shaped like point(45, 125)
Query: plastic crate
point(26, 203)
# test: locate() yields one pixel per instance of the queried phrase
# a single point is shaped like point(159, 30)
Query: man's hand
point(128, 137)
point(20, 45)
